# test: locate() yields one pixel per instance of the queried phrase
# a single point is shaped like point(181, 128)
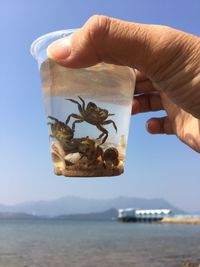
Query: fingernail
point(60, 49)
point(147, 126)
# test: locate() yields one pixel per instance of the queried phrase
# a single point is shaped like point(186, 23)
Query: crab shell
point(62, 132)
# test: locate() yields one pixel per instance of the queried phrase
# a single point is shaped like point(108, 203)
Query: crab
point(62, 132)
point(86, 147)
point(93, 115)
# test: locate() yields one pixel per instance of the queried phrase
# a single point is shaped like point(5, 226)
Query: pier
point(142, 215)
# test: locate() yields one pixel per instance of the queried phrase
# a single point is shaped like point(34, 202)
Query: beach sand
point(181, 220)
point(190, 265)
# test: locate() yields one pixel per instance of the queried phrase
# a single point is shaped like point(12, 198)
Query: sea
point(64, 243)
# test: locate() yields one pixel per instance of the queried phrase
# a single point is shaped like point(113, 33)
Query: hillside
point(75, 205)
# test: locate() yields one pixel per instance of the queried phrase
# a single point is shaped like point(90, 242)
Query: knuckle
point(98, 27)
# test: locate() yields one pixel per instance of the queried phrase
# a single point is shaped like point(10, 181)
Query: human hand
point(167, 57)
point(177, 121)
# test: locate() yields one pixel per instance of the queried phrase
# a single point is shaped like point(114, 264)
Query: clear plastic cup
point(88, 113)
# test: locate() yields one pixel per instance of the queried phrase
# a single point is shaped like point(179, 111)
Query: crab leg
point(77, 121)
point(78, 104)
point(83, 102)
point(110, 121)
point(75, 116)
point(52, 118)
point(104, 131)
point(101, 135)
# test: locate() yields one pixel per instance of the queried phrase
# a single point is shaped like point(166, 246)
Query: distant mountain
point(14, 215)
point(110, 214)
point(75, 205)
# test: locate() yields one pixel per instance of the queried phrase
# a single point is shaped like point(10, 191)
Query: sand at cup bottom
point(81, 153)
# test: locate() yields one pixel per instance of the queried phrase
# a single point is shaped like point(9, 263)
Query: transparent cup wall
point(88, 113)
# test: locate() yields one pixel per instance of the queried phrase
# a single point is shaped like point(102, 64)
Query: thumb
point(109, 40)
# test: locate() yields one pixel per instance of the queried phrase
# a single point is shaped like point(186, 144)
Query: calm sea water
point(59, 243)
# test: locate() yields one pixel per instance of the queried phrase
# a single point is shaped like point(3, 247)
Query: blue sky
point(156, 166)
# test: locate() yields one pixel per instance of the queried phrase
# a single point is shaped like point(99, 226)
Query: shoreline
point(181, 220)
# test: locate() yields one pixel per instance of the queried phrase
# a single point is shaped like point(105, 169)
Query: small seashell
point(73, 157)
point(122, 155)
point(120, 166)
point(55, 157)
point(58, 161)
point(123, 141)
point(58, 171)
point(57, 148)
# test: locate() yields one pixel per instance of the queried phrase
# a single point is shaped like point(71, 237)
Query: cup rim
point(34, 45)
